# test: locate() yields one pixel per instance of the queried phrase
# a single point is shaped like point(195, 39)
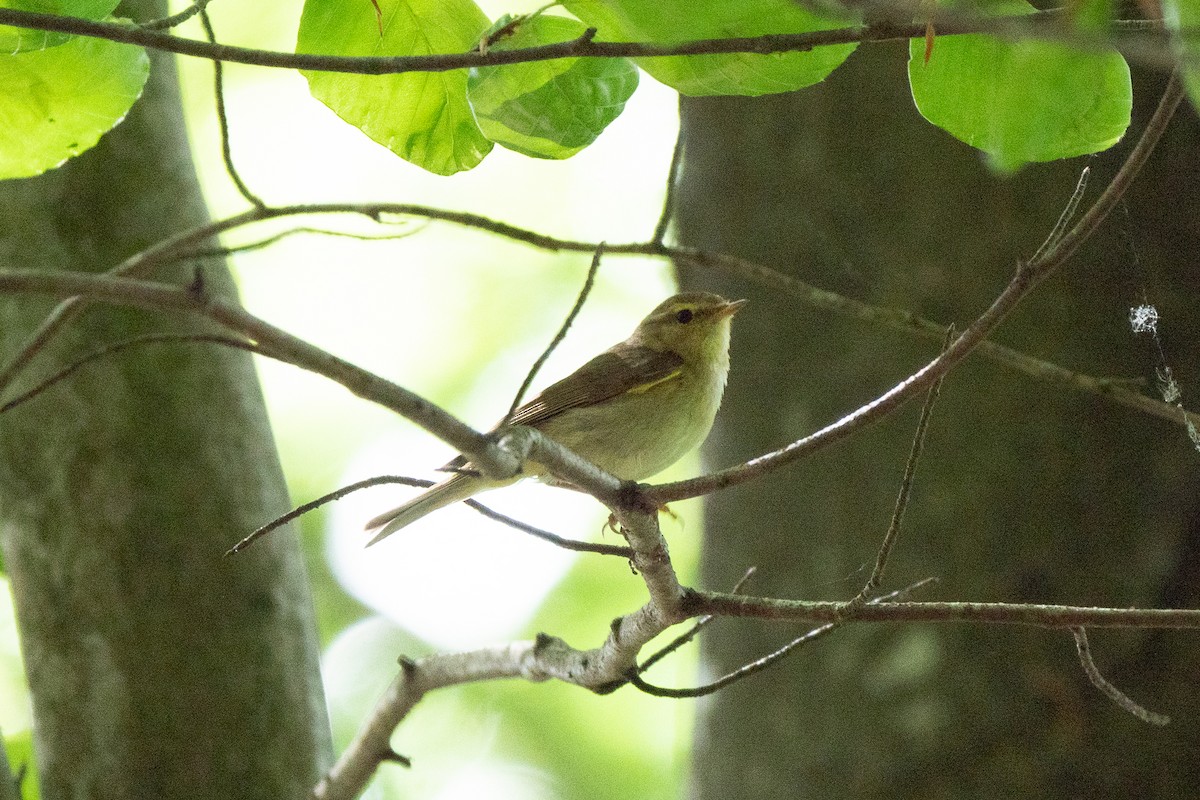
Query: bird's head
point(693, 324)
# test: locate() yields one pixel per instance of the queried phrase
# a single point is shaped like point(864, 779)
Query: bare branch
point(600, 669)
point(1153, 49)
point(176, 19)
point(906, 482)
point(668, 210)
point(371, 745)
point(223, 120)
point(140, 263)
point(1027, 277)
point(1112, 692)
point(758, 665)
point(1064, 219)
point(220, 252)
point(128, 344)
point(552, 538)
point(609, 667)
point(185, 245)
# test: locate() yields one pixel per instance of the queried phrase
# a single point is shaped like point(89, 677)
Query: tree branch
point(770, 659)
point(1109, 690)
point(608, 667)
point(1027, 277)
point(601, 669)
point(186, 245)
point(516, 524)
point(223, 120)
point(498, 455)
point(163, 297)
point(559, 335)
point(1155, 50)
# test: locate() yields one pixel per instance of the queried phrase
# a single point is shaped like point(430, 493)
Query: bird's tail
point(457, 487)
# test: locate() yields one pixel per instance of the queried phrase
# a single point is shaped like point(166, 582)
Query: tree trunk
point(1027, 492)
point(159, 669)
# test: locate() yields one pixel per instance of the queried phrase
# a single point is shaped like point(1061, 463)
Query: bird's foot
point(614, 525)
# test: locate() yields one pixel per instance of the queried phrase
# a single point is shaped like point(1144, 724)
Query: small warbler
point(633, 410)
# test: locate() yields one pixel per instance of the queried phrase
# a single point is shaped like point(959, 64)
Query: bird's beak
point(729, 309)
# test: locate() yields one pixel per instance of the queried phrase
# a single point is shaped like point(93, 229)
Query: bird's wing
point(622, 369)
point(619, 370)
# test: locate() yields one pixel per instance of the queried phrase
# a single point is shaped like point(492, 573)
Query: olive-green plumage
point(633, 410)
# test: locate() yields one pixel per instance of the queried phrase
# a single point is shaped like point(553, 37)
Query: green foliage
point(1022, 101)
point(1094, 16)
point(1018, 102)
point(423, 117)
point(58, 102)
point(548, 109)
point(15, 40)
point(19, 749)
point(1184, 15)
point(738, 73)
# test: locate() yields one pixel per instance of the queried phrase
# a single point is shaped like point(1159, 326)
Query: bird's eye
point(684, 316)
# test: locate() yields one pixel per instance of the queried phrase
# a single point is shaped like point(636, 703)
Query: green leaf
point(58, 102)
point(16, 40)
point(549, 109)
point(672, 21)
point(1185, 15)
point(1022, 101)
point(1092, 16)
point(423, 117)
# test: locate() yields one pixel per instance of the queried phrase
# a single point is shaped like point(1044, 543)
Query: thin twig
point(758, 665)
point(1028, 276)
point(219, 252)
point(1064, 219)
point(559, 336)
point(668, 209)
point(223, 120)
point(466, 440)
point(691, 633)
point(167, 249)
point(906, 483)
point(903, 321)
point(175, 19)
point(1110, 691)
point(312, 505)
point(492, 458)
point(1039, 615)
point(1157, 49)
point(128, 344)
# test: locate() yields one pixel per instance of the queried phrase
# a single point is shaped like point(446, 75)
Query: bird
point(633, 410)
